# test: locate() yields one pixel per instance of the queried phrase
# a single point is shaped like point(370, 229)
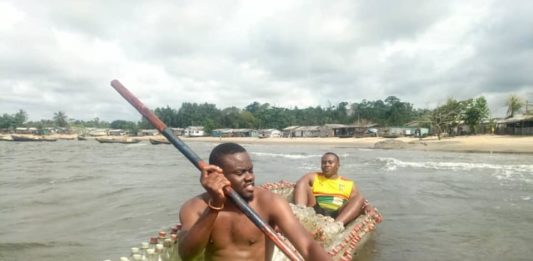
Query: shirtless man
point(332, 195)
point(211, 222)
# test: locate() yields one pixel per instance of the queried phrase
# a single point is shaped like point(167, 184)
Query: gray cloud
point(61, 55)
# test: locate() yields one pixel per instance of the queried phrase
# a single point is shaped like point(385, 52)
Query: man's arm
point(352, 209)
point(303, 196)
point(283, 217)
point(196, 228)
point(198, 217)
point(356, 205)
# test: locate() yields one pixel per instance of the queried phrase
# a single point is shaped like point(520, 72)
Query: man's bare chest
point(235, 228)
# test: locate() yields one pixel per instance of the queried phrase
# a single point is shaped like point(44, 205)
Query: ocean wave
point(114, 192)
point(392, 164)
point(30, 245)
point(287, 156)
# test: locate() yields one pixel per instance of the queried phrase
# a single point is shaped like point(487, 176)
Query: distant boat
point(6, 137)
point(31, 138)
point(123, 140)
point(157, 141)
point(82, 137)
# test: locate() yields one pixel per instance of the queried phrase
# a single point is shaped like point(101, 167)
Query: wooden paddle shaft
point(199, 163)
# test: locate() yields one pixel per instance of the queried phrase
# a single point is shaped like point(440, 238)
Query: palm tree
point(60, 119)
point(514, 104)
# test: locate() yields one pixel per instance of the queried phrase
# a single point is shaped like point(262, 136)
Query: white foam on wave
point(287, 156)
point(504, 169)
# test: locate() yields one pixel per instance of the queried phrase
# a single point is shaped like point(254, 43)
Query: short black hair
point(333, 154)
point(222, 150)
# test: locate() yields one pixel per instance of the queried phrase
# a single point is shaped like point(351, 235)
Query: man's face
point(239, 170)
point(329, 165)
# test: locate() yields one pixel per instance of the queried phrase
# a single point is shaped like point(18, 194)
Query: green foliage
point(60, 119)
point(13, 121)
point(476, 110)
point(130, 126)
point(445, 117)
point(514, 104)
point(389, 112)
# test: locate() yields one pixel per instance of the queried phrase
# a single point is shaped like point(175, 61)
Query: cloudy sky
point(62, 55)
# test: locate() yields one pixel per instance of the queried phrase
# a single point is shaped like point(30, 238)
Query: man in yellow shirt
point(332, 195)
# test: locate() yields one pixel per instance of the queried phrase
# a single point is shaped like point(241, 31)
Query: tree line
point(388, 112)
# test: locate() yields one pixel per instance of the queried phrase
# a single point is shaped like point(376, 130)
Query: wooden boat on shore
point(16, 137)
point(157, 141)
point(342, 243)
point(6, 137)
point(122, 140)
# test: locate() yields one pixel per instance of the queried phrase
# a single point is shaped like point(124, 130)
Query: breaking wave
point(393, 164)
point(287, 156)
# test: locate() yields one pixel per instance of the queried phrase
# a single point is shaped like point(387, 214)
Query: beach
point(475, 143)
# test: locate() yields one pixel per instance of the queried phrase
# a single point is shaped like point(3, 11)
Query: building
point(194, 131)
point(517, 125)
point(269, 133)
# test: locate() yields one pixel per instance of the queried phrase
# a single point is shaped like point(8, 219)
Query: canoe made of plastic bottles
point(341, 242)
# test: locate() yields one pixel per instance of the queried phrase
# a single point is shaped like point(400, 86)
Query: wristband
point(213, 207)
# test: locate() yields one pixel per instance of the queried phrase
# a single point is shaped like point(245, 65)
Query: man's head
point(234, 160)
point(330, 164)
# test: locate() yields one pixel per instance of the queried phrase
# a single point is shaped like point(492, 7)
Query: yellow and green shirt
point(331, 194)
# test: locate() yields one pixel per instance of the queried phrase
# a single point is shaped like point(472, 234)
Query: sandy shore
point(477, 143)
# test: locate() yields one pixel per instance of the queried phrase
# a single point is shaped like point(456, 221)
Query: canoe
point(6, 137)
point(342, 243)
point(123, 140)
point(157, 141)
point(31, 138)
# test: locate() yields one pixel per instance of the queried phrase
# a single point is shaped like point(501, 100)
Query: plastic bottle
point(134, 251)
point(150, 255)
point(144, 246)
point(162, 236)
point(153, 242)
point(160, 252)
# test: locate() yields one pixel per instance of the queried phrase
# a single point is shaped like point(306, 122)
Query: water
point(81, 200)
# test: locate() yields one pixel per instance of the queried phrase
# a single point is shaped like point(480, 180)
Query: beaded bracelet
point(213, 207)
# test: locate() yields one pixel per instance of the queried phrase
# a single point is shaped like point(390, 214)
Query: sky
point(62, 55)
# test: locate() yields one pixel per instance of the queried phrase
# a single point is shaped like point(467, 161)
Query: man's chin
point(247, 197)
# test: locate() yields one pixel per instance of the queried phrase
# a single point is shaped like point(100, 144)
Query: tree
point(514, 104)
point(60, 119)
point(397, 112)
point(168, 115)
point(130, 126)
point(446, 116)
point(20, 117)
point(475, 112)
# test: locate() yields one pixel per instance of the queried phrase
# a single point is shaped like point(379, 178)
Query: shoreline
point(474, 143)
point(467, 144)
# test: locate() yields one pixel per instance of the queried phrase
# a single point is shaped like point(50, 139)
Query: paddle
point(195, 159)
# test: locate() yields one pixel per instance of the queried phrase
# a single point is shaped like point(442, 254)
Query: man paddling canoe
point(217, 228)
point(332, 195)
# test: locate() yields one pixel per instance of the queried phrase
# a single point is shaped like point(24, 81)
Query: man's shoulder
point(195, 201)
point(311, 175)
point(346, 179)
point(265, 195)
